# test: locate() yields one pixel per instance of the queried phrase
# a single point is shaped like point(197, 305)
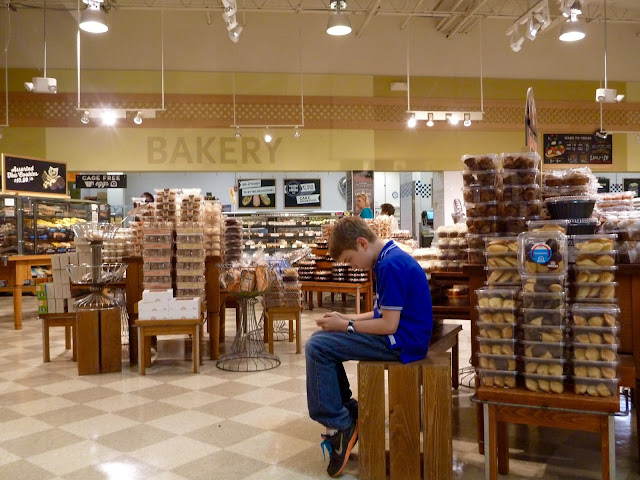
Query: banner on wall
point(358, 182)
point(29, 176)
point(586, 149)
point(100, 180)
point(257, 193)
point(302, 193)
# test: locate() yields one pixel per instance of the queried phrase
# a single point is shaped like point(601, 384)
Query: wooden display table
point(565, 410)
point(17, 270)
point(356, 289)
point(149, 328)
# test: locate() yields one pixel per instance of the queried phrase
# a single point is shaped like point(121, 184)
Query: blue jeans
point(327, 384)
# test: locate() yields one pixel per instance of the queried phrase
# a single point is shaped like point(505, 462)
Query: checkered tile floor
point(175, 425)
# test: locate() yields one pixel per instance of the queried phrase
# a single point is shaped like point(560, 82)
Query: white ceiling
point(275, 39)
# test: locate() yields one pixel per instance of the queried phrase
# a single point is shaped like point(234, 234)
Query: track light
point(430, 120)
point(93, 19)
point(42, 85)
point(138, 118)
point(267, 136)
point(516, 41)
point(238, 134)
point(467, 120)
point(234, 33)
point(109, 118)
point(532, 29)
point(85, 117)
point(412, 122)
point(452, 119)
point(572, 30)
point(338, 24)
point(296, 133)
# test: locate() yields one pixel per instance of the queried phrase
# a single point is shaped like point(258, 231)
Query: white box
point(66, 291)
point(84, 258)
point(63, 258)
point(73, 258)
point(58, 291)
point(184, 307)
point(50, 291)
point(157, 295)
point(153, 310)
point(57, 276)
point(55, 262)
point(64, 277)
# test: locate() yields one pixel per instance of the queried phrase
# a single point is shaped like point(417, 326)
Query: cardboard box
point(58, 290)
point(50, 290)
point(66, 291)
point(65, 278)
point(41, 292)
point(42, 309)
point(158, 310)
point(63, 259)
point(84, 258)
point(57, 276)
point(157, 295)
point(184, 308)
point(73, 258)
point(55, 262)
point(71, 304)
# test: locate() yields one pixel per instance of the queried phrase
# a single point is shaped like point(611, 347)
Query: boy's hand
point(333, 322)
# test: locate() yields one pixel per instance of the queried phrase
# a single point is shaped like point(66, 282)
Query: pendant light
point(93, 19)
point(338, 24)
point(573, 29)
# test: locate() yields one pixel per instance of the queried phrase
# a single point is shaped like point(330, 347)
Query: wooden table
point(17, 270)
point(564, 410)
point(356, 289)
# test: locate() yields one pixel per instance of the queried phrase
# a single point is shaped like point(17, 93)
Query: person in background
point(362, 204)
point(389, 210)
point(398, 329)
point(148, 197)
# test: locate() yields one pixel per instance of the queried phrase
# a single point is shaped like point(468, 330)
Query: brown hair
point(345, 233)
point(387, 209)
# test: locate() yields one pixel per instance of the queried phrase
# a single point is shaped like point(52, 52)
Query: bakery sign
point(585, 149)
point(101, 180)
point(302, 193)
point(28, 176)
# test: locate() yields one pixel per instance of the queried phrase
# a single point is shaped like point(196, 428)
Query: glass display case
point(8, 226)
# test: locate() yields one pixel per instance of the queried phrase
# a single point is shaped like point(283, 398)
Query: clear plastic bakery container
point(515, 225)
point(594, 274)
point(481, 162)
point(595, 292)
point(476, 194)
point(520, 193)
point(595, 387)
point(487, 209)
point(520, 209)
point(479, 178)
point(497, 362)
point(544, 383)
point(544, 366)
point(594, 335)
point(484, 225)
point(477, 240)
point(476, 256)
point(587, 369)
point(593, 244)
point(501, 245)
point(496, 330)
point(542, 253)
point(594, 352)
point(503, 276)
point(543, 349)
point(497, 297)
point(595, 315)
point(492, 346)
point(498, 315)
point(543, 283)
point(537, 316)
point(548, 301)
point(519, 161)
point(497, 378)
point(509, 260)
point(548, 225)
point(544, 333)
point(520, 176)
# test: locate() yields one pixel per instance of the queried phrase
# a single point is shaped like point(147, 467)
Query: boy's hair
point(387, 209)
point(345, 233)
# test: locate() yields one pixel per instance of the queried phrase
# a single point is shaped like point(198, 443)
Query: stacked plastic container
point(191, 205)
point(615, 202)
point(452, 247)
point(627, 226)
point(232, 239)
point(520, 199)
point(594, 315)
point(213, 227)
point(167, 205)
point(498, 312)
point(119, 247)
point(502, 261)
point(190, 259)
point(570, 194)
point(157, 255)
point(543, 260)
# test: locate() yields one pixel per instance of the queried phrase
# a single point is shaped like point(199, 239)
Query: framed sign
point(632, 185)
point(259, 193)
point(586, 149)
point(299, 193)
point(100, 180)
point(33, 176)
point(604, 185)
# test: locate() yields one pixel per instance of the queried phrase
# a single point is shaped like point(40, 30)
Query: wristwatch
point(350, 328)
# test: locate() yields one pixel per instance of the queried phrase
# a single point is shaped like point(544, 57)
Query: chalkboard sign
point(604, 185)
point(586, 149)
point(631, 185)
point(100, 180)
point(302, 193)
point(259, 193)
point(22, 175)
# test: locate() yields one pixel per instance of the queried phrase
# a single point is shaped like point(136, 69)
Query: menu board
point(258, 193)
point(585, 149)
point(604, 185)
point(302, 193)
point(631, 185)
point(23, 175)
point(101, 180)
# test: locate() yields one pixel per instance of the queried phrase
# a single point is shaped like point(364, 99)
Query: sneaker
point(339, 446)
point(352, 406)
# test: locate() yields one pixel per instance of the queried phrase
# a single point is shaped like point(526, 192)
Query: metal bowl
point(94, 232)
point(85, 274)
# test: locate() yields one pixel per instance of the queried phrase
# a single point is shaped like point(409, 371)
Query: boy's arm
point(359, 317)
point(385, 325)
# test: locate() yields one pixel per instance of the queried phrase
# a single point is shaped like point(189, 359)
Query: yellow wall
point(28, 142)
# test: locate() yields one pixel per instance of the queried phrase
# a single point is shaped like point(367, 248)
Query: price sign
point(24, 175)
point(100, 180)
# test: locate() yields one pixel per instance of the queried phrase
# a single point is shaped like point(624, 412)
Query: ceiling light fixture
point(43, 84)
point(534, 20)
point(229, 17)
point(238, 133)
point(516, 41)
point(339, 23)
point(452, 118)
point(109, 118)
point(430, 120)
point(532, 29)
point(267, 136)
point(93, 19)
point(467, 120)
point(138, 118)
point(412, 122)
point(573, 29)
point(296, 133)
point(85, 117)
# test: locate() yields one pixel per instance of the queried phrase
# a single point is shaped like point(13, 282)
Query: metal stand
point(248, 353)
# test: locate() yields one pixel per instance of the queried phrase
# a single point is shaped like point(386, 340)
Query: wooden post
point(88, 336)
point(110, 341)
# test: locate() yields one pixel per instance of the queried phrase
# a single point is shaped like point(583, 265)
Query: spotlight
point(412, 122)
point(572, 30)
point(267, 136)
point(234, 33)
point(430, 120)
point(453, 120)
point(93, 19)
point(296, 133)
point(467, 120)
point(532, 29)
point(109, 118)
point(238, 134)
point(85, 117)
point(338, 24)
point(138, 118)
point(601, 134)
point(516, 42)
point(42, 85)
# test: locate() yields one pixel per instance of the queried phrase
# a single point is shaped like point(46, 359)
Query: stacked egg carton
point(213, 228)
point(232, 239)
point(167, 205)
point(498, 312)
point(191, 205)
point(190, 259)
point(157, 255)
point(520, 200)
point(594, 315)
point(543, 260)
point(481, 197)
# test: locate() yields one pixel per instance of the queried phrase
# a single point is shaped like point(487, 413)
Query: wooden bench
point(149, 328)
point(66, 320)
point(419, 400)
point(290, 314)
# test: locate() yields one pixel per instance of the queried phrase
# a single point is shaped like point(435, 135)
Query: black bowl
point(568, 209)
point(582, 226)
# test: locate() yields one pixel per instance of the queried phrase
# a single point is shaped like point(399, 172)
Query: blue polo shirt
point(402, 285)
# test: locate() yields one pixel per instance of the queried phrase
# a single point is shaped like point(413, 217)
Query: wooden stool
point(290, 314)
point(149, 328)
point(443, 338)
point(419, 399)
point(66, 320)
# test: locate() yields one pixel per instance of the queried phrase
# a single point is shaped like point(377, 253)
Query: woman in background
point(389, 210)
point(362, 204)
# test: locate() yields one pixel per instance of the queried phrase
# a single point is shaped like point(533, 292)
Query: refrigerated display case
point(8, 226)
